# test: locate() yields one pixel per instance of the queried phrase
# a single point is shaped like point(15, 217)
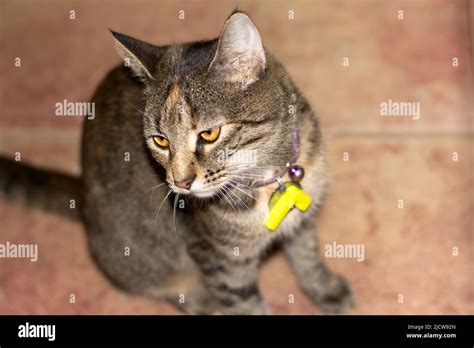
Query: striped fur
point(202, 253)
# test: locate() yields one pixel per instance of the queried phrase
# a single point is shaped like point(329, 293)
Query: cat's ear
point(141, 57)
point(240, 56)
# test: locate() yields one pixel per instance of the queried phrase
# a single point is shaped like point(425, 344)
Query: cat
point(163, 118)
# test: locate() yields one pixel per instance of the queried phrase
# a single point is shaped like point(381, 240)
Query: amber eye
point(161, 141)
point(211, 135)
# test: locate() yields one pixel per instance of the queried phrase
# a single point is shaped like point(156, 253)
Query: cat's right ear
point(240, 56)
point(140, 56)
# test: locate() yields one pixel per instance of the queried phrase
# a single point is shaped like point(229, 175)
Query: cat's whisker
point(243, 185)
point(154, 191)
point(243, 191)
point(240, 199)
point(234, 203)
point(161, 205)
point(222, 192)
point(219, 194)
point(228, 191)
point(152, 188)
point(176, 199)
point(250, 176)
point(250, 167)
point(135, 107)
point(248, 172)
point(243, 171)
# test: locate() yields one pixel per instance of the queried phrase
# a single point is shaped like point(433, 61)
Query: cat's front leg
point(328, 290)
point(232, 280)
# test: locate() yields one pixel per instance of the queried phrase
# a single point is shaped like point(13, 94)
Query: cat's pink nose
point(185, 183)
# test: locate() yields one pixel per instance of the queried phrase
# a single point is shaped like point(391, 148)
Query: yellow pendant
point(283, 200)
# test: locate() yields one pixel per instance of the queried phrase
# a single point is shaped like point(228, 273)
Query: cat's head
point(217, 112)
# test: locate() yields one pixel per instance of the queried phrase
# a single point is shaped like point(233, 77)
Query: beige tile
point(409, 251)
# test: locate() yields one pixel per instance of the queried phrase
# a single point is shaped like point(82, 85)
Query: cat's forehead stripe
point(177, 107)
point(174, 95)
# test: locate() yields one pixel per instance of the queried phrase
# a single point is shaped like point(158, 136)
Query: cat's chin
point(204, 193)
point(200, 193)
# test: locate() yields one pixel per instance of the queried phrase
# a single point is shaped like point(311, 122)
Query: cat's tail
point(40, 188)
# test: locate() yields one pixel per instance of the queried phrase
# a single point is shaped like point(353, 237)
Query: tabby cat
point(167, 215)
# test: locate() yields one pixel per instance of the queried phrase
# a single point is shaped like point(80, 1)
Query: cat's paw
point(334, 296)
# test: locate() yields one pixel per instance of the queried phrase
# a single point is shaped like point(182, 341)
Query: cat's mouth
point(220, 189)
point(204, 192)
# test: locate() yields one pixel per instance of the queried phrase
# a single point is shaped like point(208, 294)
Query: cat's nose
point(186, 182)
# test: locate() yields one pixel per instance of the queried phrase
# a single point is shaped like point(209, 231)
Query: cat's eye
point(210, 135)
point(161, 141)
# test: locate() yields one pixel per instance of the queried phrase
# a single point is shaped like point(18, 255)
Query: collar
point(296, 152)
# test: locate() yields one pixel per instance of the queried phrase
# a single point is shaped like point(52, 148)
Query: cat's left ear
point(140, 56)
point(240, 56)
